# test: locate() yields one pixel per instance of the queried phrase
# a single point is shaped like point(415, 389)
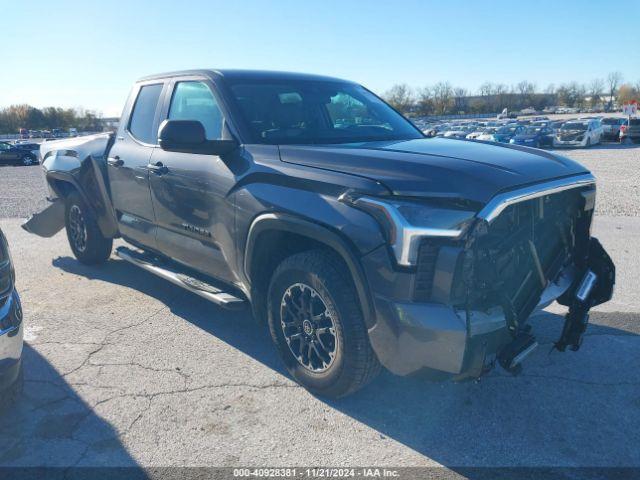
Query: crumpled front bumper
point(408, 336)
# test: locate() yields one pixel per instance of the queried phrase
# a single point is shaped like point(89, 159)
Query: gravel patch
point(23, 189)
point(617, 169)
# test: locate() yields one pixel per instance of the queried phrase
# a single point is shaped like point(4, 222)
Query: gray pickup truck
point(361, 242)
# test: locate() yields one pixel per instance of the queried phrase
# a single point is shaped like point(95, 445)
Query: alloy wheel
point(77, 228)
point(308, 327)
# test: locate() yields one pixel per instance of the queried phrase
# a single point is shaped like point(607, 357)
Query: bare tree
point(425, 101)
point(486, 89)
point(501, 94)
point(525, 91)
point(442, 95)
point(596, 87)
point(614, 79)
point(460, 96)
point(400, 97)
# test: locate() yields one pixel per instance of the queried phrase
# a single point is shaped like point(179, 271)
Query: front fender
point(301, 226)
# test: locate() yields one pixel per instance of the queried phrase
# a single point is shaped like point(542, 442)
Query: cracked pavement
point(124, 369)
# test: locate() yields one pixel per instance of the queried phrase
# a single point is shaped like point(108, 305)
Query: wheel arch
point(89, 182)
point(271, 235)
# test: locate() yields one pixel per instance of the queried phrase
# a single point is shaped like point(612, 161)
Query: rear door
point(194, 214)
point(128, 164)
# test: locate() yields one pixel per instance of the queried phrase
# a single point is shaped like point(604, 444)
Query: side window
point(144, 112)
point(195, 101)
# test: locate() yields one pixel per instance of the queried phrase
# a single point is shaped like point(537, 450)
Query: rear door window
point(143, 116)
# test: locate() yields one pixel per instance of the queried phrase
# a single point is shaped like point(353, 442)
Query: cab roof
point(236, 75)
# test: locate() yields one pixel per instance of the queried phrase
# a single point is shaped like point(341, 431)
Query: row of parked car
point(54, 133)
point(540, 132)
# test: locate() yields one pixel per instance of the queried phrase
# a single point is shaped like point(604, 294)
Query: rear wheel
point(85, 238)
point(317, 325)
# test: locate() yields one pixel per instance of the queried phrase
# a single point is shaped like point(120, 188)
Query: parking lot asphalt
point(125, 369)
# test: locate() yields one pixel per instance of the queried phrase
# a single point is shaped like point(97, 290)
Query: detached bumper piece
point(47, 222)
point(511, 357)
point(595, 286)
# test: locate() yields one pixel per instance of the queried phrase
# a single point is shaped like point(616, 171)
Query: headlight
point(406, 222)
point(512, 141)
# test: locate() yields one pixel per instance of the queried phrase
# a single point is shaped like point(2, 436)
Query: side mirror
point(188, 136)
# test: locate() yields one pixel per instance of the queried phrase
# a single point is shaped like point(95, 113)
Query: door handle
point(115, 161)
point(158, 168)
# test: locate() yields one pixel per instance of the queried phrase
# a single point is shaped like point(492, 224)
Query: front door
point(7, 153)
point(128, 167)
point(194, 216)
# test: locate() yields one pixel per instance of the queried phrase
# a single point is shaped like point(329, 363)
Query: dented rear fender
point(76, 164)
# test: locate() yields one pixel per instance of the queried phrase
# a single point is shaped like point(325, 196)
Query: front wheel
point(29, 160)
point(85, 238)
point(317, 325)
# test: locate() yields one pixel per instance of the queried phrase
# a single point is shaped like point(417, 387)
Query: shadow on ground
point(50, 425)
point(566, 409)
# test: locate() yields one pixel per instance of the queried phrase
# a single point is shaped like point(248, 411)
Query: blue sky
point(82, 53)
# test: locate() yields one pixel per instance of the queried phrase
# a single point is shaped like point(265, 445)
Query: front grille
point(524, 248)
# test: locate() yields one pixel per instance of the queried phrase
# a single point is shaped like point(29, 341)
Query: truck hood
point(437, 167)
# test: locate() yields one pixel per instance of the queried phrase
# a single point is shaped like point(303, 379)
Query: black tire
point(85, 238)
point(353, 364)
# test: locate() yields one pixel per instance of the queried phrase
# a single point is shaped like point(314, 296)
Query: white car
point(475, 134)
point(459, 132)
point(579, 133)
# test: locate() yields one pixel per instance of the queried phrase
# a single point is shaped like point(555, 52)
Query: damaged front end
point(466, 305)
point(528, 249)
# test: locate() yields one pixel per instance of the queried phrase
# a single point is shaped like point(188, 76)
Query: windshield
point(611, 121)
point(506, 130)
point(531, 130)
point(304, 111)
point(574, 126)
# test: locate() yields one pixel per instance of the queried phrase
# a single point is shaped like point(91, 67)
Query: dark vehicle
point(505, 134)
point(534, 136)
point(360, 241)
point(556, 126)
point(630, 131)
point(11, 330)
point(16, 155)
point(611, 127)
